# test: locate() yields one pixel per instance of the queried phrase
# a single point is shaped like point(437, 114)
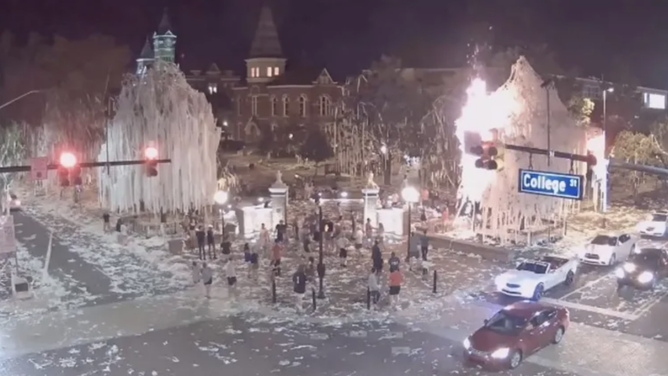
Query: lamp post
point(383, 152)
point(220, 198)
point(411, 196)
point(604, 178)
point(321, 264)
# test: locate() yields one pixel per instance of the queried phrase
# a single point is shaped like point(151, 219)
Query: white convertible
point(608, 249)
point(532, 278)
point(654, 226)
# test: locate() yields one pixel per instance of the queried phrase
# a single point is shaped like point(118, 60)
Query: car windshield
point(506, 323)
point(604, 240)
point(659, 217)
point(646, 257)
point(536, 267)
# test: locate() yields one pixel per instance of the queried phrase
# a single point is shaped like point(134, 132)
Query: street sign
point(7, 239)
point(551, 184)
point(39, 168)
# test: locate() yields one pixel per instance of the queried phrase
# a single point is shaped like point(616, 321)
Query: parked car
point(655, 225)
point(608, 249)
point(13, 202)
point(643, 269)
point(514, 333)
point(533, 277)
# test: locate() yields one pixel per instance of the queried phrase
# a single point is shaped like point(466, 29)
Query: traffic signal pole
point(55, 166)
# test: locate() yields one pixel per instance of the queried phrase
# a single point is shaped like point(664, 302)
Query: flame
point(596, 146)
point(488, 115)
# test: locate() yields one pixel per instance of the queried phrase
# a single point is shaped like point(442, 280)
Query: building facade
point(270, 96)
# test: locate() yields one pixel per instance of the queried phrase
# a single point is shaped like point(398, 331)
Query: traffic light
point(151, 155)
point(491, 155)
point(63, 176)
point(68, 169)
point(75, 175)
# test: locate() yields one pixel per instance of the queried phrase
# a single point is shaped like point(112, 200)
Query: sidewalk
point(585, 350)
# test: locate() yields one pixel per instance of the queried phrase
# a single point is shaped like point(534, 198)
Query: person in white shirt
point(207, 278)
point(231, 274)
point(359, 240)
point(263, 240)
point(341, 244)
point(374, 287)
point(195, 273)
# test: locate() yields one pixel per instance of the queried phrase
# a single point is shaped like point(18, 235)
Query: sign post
point(552, 184)
point(39, 168)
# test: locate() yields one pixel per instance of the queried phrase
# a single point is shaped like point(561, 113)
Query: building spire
point(266, 42)
point(165, 26)
point(147, 51)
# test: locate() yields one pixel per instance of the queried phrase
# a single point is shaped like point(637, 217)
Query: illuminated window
point(213, 88)
point(254, 105)
point(286, 105)
point(269, 71)
point(325, 106)
point(302, 106)
point(276, 71)
point(654, 101)
point(274, 106)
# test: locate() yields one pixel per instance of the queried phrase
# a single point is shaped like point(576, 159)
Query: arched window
point(325, 106)
point(302, 106)
point(274, 106)
point(254, 105)
point(286, 106)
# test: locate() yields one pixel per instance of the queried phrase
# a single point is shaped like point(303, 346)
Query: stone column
point(279, 200)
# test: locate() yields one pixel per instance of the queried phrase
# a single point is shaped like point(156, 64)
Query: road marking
point(403, 350)
point(587, 285)
point(645, 308)
point(319, 336)
point(593, 309)
point(357, 334)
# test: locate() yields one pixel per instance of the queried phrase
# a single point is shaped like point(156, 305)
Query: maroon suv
point(514, 333)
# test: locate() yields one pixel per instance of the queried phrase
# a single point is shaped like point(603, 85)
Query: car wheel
point(515, 359)
point(570, 277)
point(613, 259)
point(538, 292)
point(558, 335)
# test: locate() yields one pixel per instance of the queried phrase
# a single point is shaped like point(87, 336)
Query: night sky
point(345, 35)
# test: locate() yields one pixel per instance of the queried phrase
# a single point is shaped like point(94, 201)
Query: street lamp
point(220, 198)
point(383, 152)
point(410, 195)
point(604, 178)
point(321, 264)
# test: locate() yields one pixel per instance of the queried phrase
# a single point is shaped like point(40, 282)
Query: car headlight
point(619, 273)
point(629, 268)
point(501, 353)
point(645, 277)
point(467, 344)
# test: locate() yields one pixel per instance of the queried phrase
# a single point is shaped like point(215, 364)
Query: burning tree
point(162, 110)
point(12, 152)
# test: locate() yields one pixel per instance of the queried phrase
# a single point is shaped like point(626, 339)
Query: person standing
point(368, 229)
point(394, 262)
point(207, 279)
point(377, 257)
point(195, 273)
point(341, 244)
point(200, 235)
point(263, 240)
point(359, 240)
point(424, 245)
point(106, 218)
point(210, 241)
point(231, 274)
point(374, 286)
point(280, 231)
point(276, 258)
point(254, 264)
point(299, 287)
point(396, 279)
point(310, 272)
point(226, 248)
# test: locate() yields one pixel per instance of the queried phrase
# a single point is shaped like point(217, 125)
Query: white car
point(13, 202)
point(532, 278)
point(608, 249)
point(655, 226)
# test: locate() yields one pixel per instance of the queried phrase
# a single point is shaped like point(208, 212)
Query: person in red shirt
point(395, 281)
point(276, 258)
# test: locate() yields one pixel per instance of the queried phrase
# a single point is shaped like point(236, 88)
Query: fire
point(596, 146)
point(488, 115)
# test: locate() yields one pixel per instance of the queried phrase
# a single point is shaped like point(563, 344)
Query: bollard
point(435, 279)
point(313, 297)
point(273, 290)
point(368, 298)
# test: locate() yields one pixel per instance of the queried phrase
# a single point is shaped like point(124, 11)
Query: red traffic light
point(67, 160)
point(151, 153)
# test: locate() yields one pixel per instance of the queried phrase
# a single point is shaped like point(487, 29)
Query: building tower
point(145, 59)
point(266, 61)
point(164, 41)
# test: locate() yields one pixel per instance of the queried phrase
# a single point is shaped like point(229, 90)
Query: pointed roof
point(147, 51)
point(165, 25)
point(213, 69)
point(266, 42)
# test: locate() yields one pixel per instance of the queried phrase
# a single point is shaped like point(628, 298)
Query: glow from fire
point(596, 146)
point(481, 114)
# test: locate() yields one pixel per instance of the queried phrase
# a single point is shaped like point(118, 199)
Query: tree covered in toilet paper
point(518, 110)
point(162, 110)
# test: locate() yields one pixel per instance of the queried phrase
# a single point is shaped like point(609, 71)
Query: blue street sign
point(551, 184)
